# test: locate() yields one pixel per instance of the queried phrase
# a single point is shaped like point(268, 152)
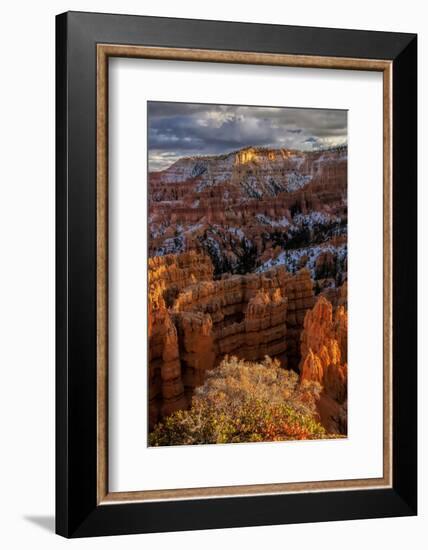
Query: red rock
point(216, 204)
point(167, 276)
point(324, 341)
point(250, 315)
point(212, 219)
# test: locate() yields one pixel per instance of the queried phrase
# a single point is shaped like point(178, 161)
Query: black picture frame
point(77, 511)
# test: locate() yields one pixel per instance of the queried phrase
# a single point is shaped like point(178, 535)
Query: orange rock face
point(196, 342)
point(239, 244)
point(170, 274)
point(250, 315)
point(167, 276)
point(243, 208)
point(324, 356)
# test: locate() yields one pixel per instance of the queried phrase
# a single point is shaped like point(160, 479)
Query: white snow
point(172, 245)
point(314, 218)
point(290, 258)
point(267, 220)
point(296, 181)
point(237, 231)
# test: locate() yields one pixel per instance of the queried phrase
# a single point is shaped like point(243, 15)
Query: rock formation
point(239, 246)
point(170, 274)
point(250, 315)
point(167, 276)
point(324, 357)
point(244, 208)
point(166, 391)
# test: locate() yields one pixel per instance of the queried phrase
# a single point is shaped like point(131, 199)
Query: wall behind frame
point(27, 272)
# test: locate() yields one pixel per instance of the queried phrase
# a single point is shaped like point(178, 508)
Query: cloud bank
point(178, 130)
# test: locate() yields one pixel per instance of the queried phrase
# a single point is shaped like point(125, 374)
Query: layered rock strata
point(244, 208)
point(324, 357)
point(239, 246)
point(248, 315)
point(167, 276)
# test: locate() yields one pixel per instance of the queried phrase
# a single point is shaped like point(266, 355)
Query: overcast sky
point(188, 129)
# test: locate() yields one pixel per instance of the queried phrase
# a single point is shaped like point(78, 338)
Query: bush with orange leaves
point(243, 401)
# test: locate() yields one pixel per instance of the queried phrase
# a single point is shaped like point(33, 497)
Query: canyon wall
point(243, 209)
point(167, 276)
point(324, 357)
point(247, 315)
point(241, 247)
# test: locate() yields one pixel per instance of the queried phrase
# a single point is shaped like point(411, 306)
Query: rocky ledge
point(192, 327)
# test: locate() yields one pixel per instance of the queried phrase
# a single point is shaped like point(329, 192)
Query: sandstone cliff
point(244, 208)
point(240, 245)
point(250, 315)
point(324, 356)
point(167, 276)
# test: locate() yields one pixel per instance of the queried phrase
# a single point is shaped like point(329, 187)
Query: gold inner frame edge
point(104, 51)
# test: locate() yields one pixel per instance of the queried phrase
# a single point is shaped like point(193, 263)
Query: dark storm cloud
point(187, 129)
point(314, 142)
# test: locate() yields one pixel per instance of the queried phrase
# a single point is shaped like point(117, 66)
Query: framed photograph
point(236, 274)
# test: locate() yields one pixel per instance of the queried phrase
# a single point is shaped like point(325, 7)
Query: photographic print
point(202, 274)
point(247, 273)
